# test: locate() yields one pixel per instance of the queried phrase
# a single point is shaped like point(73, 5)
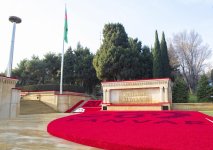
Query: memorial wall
point(154, 93)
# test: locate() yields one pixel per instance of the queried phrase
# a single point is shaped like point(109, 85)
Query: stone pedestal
point(63, 102)
point(9, 98)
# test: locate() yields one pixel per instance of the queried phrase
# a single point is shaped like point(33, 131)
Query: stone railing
point(59, 102)
point(9, 98)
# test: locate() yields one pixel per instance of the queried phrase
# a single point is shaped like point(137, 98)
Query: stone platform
point(28, 132)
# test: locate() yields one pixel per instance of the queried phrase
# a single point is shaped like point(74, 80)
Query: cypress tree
point(164, 57)
point(157, 61)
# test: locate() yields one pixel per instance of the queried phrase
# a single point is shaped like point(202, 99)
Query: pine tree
point(180, 91)
point(157, 61)
point(203, 89)
point(107, 61)
point(166, 69)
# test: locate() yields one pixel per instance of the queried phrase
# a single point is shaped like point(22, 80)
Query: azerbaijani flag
point(65, 27)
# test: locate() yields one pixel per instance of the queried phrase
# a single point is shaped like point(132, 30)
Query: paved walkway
point(28, 132)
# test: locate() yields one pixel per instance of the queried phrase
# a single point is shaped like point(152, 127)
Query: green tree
point(212, 75)
point(180, 92)
point(132, 66)
point(166, 69)
point(147, 62)
point(157, 61)
point(30, 71)
point(52, 68)
point(203, 89)
point(20, 72)
point(68, 72)
point(85, 74)
point(109, 59)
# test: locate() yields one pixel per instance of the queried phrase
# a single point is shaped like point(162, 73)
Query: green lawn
point(210, 113)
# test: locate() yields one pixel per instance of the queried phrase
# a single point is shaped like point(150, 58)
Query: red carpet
point(92, 105)
point(74, 107)
point(150, 130)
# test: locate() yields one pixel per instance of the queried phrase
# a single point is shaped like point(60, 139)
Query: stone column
point(108, 96)
point(161, 94)
point(104, 96)
point(15, 103)
point(166, 97)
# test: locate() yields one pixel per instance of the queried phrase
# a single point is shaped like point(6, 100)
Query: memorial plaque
point(134, 96)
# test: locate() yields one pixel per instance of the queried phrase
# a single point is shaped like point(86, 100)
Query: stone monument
point(152, 94)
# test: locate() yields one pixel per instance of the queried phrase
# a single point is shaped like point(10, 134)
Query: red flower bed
point(148, 130)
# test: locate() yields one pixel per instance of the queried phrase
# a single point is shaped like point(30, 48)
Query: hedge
point(52, 87)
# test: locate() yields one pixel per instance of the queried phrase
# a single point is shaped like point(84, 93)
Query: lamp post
point(14, 20)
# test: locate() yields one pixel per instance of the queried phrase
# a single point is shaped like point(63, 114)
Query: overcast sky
point(41, 30)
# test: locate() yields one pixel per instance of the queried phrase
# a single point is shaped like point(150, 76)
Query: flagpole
point(62, 69)
point(62, 55)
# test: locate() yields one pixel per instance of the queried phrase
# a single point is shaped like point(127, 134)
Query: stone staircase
point(34, 107)
point(90, 105)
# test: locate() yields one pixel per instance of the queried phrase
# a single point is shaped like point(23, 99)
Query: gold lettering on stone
point(134, 97)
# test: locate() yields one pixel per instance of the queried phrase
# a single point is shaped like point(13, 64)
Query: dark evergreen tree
point(180, 92)
point(84, 72)
point(147, 62)
point(52, 66)
point(30, 72)
point(132, 65)
point(166, 69)
point(68, 72)
point(203, 89)
point(212, 75)
point(157, 61)
point(111, 61)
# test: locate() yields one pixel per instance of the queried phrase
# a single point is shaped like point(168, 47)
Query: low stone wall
point(133, 108)
point(9, 98)
point(59, 102)
point(193, 106)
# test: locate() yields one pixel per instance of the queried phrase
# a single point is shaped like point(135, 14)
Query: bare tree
point(192, 55)
point(173, 57)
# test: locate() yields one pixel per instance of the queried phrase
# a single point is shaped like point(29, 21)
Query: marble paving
point(28, 132)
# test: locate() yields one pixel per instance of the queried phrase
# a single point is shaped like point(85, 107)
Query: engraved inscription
point(134, 97)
